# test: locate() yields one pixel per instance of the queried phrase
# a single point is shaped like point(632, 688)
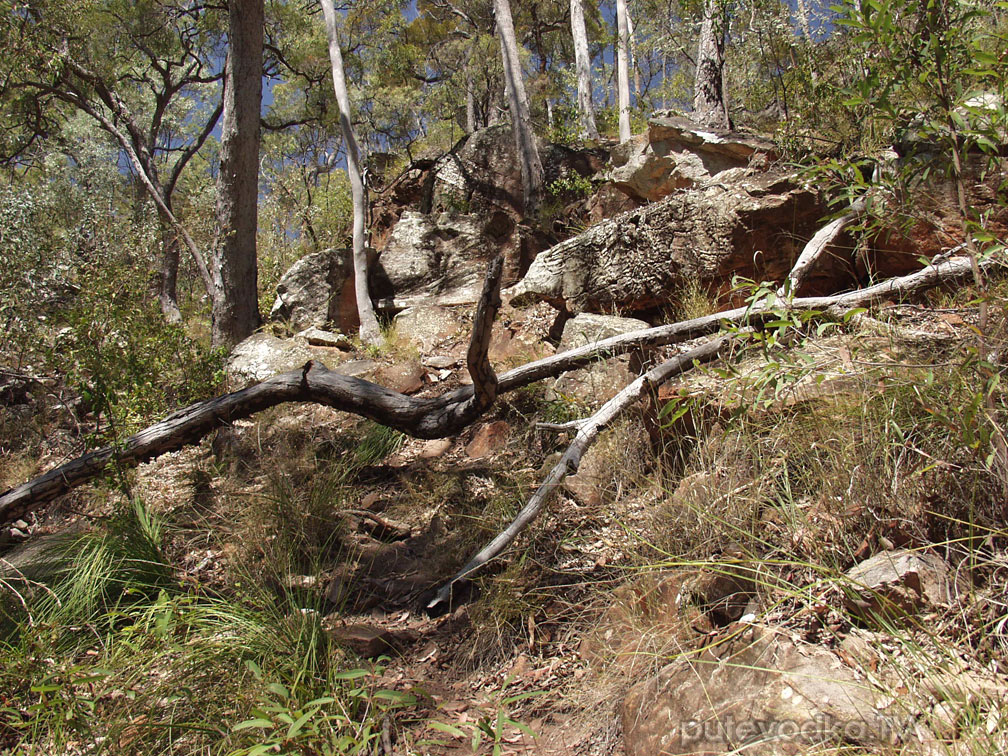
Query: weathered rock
point(748, 226)
point(262, 355)
point(489, 438)
point(404, 377)
point(315, 336)
point(760, 692)
point(428, 326)
point(608, 201)
point(899, 582)
point(369, 641)
point(594, 476)
point(482, 173)
point(318, 290)
point(676, 154)
point(440, 258)
point(587, 328)
point(435, 448)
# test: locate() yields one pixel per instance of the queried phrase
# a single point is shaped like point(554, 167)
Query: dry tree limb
point(587, 431)
point(421, 417)
point(430, 417)
point(816, 245)
point(589, 428)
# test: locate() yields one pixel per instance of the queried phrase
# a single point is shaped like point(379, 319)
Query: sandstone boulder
point(752, 226)
point(760, 692)
point(899, 582)
point(317, 290)
point(427, 326)
point(587, 328)
point(439, 259)
point(676, 154)
point(262, 355)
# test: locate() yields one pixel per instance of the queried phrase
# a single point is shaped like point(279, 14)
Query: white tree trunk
point(235, 295)
point(582, 65)
point(528, 153)
point(633, 55)
point(369, 330)
point(709, 106)
point(622, 72)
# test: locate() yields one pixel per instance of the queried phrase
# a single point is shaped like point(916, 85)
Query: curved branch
point(434, 417)
point(588, 431)
point(816, 245)
point(421, 417)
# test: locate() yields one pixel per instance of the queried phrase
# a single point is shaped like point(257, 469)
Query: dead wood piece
point(588, 431)
point(819, 241)
point(429, 417)
point(421, 417)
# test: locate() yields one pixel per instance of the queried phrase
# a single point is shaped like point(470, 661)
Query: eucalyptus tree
point(582, 64)
point(369, 331)
point(710, 107)
point(521, 121)
point(235, 296)
point(622, 74)
point(144, 72)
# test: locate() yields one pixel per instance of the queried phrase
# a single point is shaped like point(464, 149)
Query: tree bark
point(521, 121)
point(168, 276)
point(369, 332)
point(632, 40)
point(235, 285)
point(582, 65)
point(709, 106)
point(622, 73)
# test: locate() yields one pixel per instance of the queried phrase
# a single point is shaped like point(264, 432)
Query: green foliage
point(494, 726)
point(347, 721)
point(128, 365)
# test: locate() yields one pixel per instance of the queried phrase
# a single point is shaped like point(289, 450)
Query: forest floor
point(278, 574)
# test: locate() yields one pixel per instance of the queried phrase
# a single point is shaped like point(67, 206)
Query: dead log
point(587, 431)
point(589, 428)
point(819, 241)
point(426, 417)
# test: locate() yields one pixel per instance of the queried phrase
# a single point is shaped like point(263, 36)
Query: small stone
point(315, 336)
point(440, 361)
point(489, 438)
point(406, 378)
point(435, 448)
point(369, 641)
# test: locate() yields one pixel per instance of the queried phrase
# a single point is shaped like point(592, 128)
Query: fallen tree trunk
point(431, 417)
point(587, 431)
point(816, 245)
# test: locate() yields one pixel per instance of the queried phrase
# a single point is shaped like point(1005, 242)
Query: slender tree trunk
point(528, 153)
point(622, 74)
point(168, 276)
point(802, 11)
point(709, 106)
point(235, 286)
point(369, 331)
point(582, 64)
point(632, 40)
point(470, 103)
